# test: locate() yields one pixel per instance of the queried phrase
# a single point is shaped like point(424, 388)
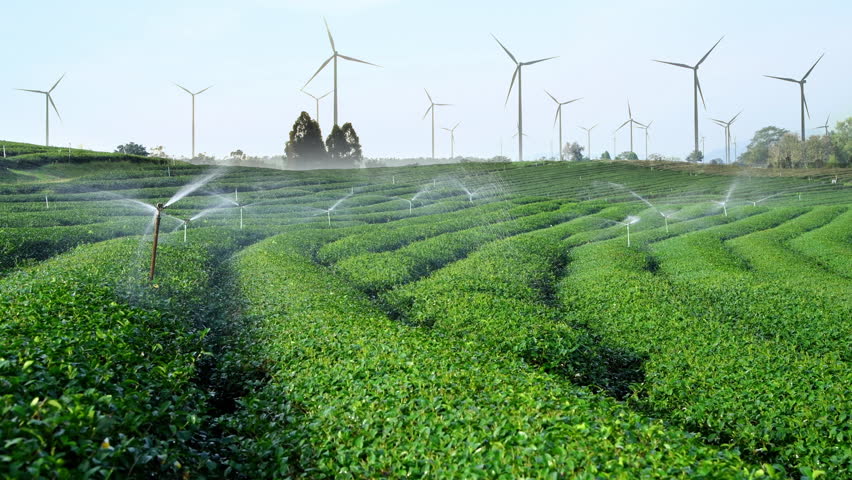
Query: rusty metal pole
point(156, 239)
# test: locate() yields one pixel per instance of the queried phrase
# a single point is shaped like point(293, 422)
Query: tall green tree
point(344, 147)
point(605, 155)
point(305, 149)
point(627, 156)
point(695, 157)
point(757, 152)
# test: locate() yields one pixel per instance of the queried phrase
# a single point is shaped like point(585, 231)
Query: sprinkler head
point(160, 207)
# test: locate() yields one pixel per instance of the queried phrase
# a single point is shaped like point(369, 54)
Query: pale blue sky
point(121, 57)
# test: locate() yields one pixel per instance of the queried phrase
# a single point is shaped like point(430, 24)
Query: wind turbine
point(452, 139)
point(727, 127)
point(631, 122)
point(824, 126)
point(646, 127)
point(48, 101)
point(193, 112)
point(518, 72)
point(317, 100)
point(589, 139)
point(431, 108)
point(696, 86)
point(334, 56)
point(558, 118)
point(802, 91)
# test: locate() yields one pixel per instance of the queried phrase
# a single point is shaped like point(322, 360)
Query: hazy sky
point(122, 57)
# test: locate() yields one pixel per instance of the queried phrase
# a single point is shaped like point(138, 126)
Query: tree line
point(306, 149)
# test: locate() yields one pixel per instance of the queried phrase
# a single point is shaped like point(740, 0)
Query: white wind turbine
point(317, 99)
point(48, 102)
point(517, 74)
point(431, 108)
point(558, 118)
point(334, 56)
point(589, 139)
point(193, 111)
point(452, 139)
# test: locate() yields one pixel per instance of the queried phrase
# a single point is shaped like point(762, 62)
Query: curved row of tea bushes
point(98, 366)
point(829, 245)
point(768, 256)
point(376, 272)
point(403, 232)
point(708, 369)
point(765, 290)
point(354, 394)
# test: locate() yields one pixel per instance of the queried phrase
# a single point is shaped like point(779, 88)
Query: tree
point(656, 157)
point(344, 147)
point(841, 139)
point(605, 156)
point(132, 149)
point(757, 152)
point(237, 155)
point(818, 151)
point(627, 156)
point(305, 148)
point(159, 152)
point(573, 151)
point(786, 152)
point(695, 157)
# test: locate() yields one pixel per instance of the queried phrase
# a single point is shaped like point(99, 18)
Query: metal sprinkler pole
point(184, 232)
point(667, 224)
point(628, 234)
point(46, 203)
point(156, 240)
point(241, 218)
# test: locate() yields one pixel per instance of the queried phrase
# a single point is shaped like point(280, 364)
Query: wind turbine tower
point(517, 74)
point(193, 112)
point(431, 108)
point(804, 103)
point(558, 118)
point(48, 102)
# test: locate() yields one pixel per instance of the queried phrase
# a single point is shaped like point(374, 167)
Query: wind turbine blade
point(447, 129)
point(622, 125)
point(204, 90)
point(551, 96)
point(506, 50)
point(700, 92)
point(54, 106)
point(735, 117)
point(629, 112)
point(805, 100)
point(641, 125)
point(719, 122)
point(443, 104)
point(583, 129)
point(649, 124)
point(682, 65)
point(593, 126)
point(356, 60)
point(457, 125)
point(782, 78)
point(556, 117)
point(28, 90)
point(330, 39)
point(571, 101)
point(429, 96)
point(512, 84)
point(427, 111)
point(63, 76)
point(327, 94)
point(708, 52)
point(308, 94)
point(314, 75)
point(803, 78)
point(538, 61)
point(183, 88)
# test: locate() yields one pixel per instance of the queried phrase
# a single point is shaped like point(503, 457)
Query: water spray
point(157, 217)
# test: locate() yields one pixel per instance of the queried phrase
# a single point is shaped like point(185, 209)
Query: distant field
point(497, 326)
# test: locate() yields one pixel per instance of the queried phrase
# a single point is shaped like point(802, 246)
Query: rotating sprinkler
point(724, 206)
point(666, 216)
point(46, 203)
point(157, 216)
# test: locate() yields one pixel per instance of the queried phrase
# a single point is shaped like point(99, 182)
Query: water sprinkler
point(236, 196)
point(185, 222)
point(724, 206)
point(46, 203)
point(800, 195)
point(157, 216)
point(168, 171)
point(328, 214)
point(393, 179)
point(241, 217)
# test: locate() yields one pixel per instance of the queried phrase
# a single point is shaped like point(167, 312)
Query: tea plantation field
point(459, 321)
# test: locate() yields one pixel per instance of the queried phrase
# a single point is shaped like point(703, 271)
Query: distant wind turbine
point(558, 118)
point(518, 72)
point(452, 139)
point(646, 127)
point(589, 139)
point(824, 126)
point(696, 86)
point(317, 99)
point(48, 102)
point(193, 112)
point(801, 83)
point(631, 122)
point(727, 127)
point(431, 108)
point(334, 56)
